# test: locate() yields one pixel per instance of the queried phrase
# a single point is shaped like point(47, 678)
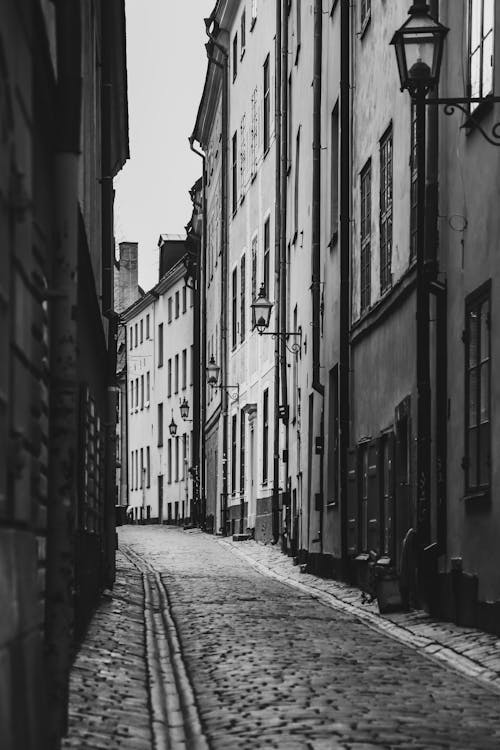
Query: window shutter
point(373, 497)
point(352, 502)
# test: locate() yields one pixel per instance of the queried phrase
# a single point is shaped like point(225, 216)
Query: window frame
point(242, 298)
point(480, 94)
point(160, 344)
point(365, 237)
point(266, 106)
point(266, 258)
point(234, 307)
point(474, 302)
point(386, 208)
point(234, 171)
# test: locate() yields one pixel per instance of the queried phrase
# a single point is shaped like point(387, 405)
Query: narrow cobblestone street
point(227, 656)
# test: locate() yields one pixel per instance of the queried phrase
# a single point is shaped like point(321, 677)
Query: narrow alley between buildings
point(203, 644)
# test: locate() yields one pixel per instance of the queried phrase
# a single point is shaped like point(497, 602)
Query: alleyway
point(270, 666)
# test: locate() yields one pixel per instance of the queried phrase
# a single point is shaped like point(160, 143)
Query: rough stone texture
point(109, 703)
point(274, 667)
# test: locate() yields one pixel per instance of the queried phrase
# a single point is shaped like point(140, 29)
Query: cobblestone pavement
point(276, 667)
point(109, 702)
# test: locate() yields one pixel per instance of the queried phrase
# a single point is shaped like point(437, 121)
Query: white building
point(159, 378)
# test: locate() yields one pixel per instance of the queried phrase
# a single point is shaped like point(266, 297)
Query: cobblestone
point(311, 667)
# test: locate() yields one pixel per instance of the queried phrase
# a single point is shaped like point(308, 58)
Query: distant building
point(160, 364)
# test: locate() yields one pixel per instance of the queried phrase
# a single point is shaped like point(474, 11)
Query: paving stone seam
point(176, 721)
point(429, 648)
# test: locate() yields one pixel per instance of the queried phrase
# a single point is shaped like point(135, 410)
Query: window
point(137, 470)
point(132, 470)
point(481, 18)
point(265, 434)
point(477, 390)
point(147, 326)
point(254, 134)
point(243, 153)
point(191, 369)
point(233, 453)
point(298, 28)
point(266, 106)
point(141, 480)
point(177, 458)
point(184, 369)
point(235, 56)
point(386, 211)
point(296, 186)
point(135, 334)
point(413, 185)
point(366, 209)
point(243, 32)
point(177, 308)
point(169, 378)
point(234, 287)
point(242, 298)
point(366, 8)
point(160, 425)
point(142, 392)
point(131, 395)
point(334, 177)
point(176, 374)
point(148, 467)
point(141, 331)
point(160, 345)
point(137, 393)
point(364, 497)
point(234, 169)
point(148, 388)
point(184, 298)
point(131, 337)
point(267, 263)
point(169, 306)
point(169, 460)
point(254, 268)
point(242, 453)
point(254, 14)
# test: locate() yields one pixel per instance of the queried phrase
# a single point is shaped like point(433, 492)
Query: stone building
point(63, 137)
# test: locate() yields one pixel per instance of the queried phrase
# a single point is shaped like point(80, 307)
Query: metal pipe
point(316, 196)
point(277, 276)
point(345, 281)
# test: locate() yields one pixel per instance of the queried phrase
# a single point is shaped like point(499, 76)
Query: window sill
point(476, 500)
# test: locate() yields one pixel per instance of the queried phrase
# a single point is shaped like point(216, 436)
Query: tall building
point(160, 375)
point(64, 136)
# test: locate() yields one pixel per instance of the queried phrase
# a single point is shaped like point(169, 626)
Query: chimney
point(128, 286)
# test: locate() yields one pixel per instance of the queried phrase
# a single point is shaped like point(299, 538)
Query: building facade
point(160, 368)
point(63, 111)
point(311, 178)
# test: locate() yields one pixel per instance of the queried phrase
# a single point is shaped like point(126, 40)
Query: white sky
point(166, 71)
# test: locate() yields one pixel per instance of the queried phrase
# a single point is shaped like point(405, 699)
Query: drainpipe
point(283, 250)
point(316, 196)
point(64, 401)
point(345, 282)
point(202, 330)
point(277, 276)
point(224, 262)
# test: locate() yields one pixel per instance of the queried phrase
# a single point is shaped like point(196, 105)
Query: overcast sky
point(166, 71)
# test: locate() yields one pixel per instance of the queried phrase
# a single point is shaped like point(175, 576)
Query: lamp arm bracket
point(462, 104)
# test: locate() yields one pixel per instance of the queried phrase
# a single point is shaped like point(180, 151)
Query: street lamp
point(184, 410)
point(172, 428)
point(213, 371)
point(419, 50)
point(261, 315)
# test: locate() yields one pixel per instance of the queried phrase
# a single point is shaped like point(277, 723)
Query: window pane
point(489, 14)
point(484, 395)
point(488, 65)
point(483, 323)
point(484, 454)
point(473, 376)
point(475, 70)
point(473, 474)
point(473, 338)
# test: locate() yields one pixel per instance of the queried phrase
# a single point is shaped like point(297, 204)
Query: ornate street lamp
point(261, 315)
point(419, 49)
point(213, 371)
point(172, 428)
